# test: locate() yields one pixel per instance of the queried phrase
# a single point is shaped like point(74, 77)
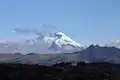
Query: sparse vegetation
point(61, 71)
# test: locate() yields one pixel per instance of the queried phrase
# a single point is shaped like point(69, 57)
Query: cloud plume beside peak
point(43, 30)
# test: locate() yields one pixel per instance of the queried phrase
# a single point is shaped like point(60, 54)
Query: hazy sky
point(83, 20)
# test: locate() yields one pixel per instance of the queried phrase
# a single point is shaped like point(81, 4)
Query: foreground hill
point(61, 71)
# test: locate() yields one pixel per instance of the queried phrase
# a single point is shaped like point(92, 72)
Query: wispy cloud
point(43, 30)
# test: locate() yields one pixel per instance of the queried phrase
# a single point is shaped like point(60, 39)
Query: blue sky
point(83, 20)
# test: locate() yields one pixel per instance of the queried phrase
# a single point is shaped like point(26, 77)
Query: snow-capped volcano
point(63, 43)
point(55, 43)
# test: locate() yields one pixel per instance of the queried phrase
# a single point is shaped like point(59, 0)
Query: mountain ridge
point(56, 43)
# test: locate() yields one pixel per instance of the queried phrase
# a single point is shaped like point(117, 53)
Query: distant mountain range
point(56, 47)
point(93, 53)
point(56, 42)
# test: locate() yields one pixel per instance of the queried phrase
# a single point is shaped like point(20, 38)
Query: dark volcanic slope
point(97, 53)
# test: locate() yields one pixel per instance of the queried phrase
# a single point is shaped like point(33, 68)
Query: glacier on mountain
point(63, 43)
point(55, 43)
